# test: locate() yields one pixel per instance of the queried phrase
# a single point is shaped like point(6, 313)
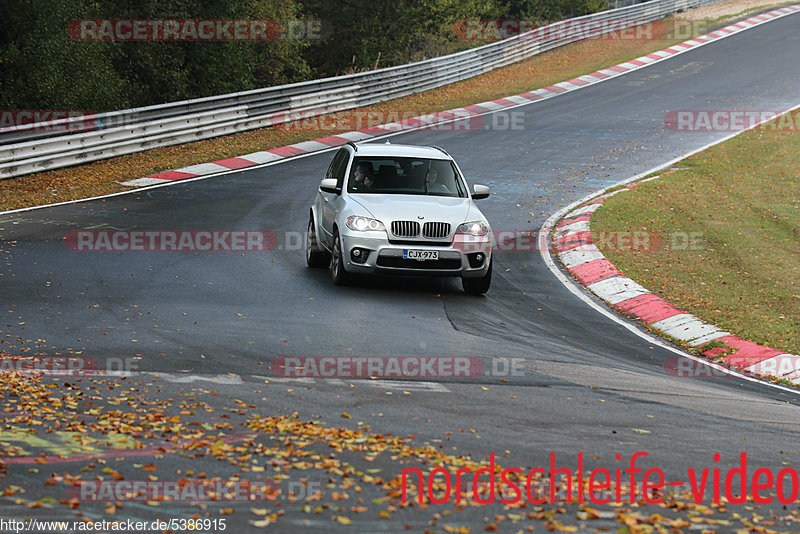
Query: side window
point(329, 172)
point(335, 162)
point(338, 166)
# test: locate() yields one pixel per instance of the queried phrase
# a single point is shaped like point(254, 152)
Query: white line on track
point(395, 385)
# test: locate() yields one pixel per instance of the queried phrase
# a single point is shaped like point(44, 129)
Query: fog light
point(476, 259)
point(359, 255)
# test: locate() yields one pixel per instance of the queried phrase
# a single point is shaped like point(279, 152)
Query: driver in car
point(432, 183)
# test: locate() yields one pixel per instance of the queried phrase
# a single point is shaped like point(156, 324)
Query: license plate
point(421, 255)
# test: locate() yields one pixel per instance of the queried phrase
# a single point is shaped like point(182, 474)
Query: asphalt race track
point(218, 320)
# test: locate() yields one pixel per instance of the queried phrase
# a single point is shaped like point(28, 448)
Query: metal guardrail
point(39, 147)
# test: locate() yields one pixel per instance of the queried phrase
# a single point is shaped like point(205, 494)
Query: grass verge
point(724, 235)
point(103, 177)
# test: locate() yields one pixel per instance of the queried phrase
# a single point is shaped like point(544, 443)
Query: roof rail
point(440, 149)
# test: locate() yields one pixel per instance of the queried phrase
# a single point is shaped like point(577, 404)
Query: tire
point(315, 256)
point(478, 286)
point(338, 273)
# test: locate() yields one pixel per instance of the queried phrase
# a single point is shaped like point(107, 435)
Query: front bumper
point(464, 256)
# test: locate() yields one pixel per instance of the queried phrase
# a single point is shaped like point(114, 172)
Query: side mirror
point(480, 191)
point(329, 185)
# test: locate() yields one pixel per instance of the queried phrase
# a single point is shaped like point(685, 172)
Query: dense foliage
point(43, 65)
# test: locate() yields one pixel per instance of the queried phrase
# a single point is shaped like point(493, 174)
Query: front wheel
point(315, 256)
point(478, 286)
point(338, 273)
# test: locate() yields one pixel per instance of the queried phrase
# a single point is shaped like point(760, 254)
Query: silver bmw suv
point(399, 209)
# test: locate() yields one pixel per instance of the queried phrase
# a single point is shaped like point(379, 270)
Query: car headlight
point(364, 224)
point(476, 228)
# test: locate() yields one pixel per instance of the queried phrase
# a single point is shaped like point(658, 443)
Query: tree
point(364, 33)
point(43, 68)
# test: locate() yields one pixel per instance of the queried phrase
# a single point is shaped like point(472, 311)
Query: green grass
point(740, 200)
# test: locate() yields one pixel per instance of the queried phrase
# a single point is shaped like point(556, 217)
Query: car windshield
point(405, 176)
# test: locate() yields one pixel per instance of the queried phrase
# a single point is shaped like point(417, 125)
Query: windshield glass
point(405, 176)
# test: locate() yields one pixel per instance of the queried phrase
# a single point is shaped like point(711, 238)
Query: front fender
point(321, 237)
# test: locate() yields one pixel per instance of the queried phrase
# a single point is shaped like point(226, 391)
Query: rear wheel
point(478, 286)
point(315, 256)
point(338, 273)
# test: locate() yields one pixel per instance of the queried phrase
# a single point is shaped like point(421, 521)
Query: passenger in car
point(363, 177)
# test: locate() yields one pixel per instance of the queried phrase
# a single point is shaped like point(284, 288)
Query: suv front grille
point(405, 228)
point(436, 229)
point(430, 230)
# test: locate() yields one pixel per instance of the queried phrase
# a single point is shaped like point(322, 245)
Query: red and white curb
point(432, 120)
point(572, 241)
